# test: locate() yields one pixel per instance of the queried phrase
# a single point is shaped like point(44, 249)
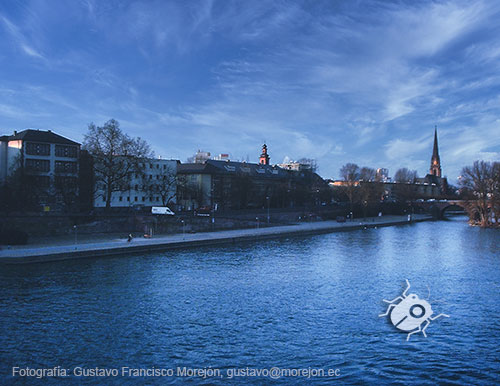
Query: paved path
point(30, 254)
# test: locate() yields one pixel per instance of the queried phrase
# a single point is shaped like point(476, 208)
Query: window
point(41, 181)
point(104, 199)
point(65, 166)
point(66, 183)
point(164, 167)
point(151, 166)
point(128, 198)
point(157, 177)
point(34, 148)
point(143, 199)
point(150, 177)
point(37, 165)
point(135, 198)
point(157, 166)
point(66, 151)
point(151, 198)
point(121, 199)
point(136, 187)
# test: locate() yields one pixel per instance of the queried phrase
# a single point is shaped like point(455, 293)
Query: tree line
point(480, 187)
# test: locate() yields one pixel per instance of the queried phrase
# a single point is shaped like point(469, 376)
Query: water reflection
point(296, 302)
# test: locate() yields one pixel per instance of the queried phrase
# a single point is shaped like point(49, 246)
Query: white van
point(162, 210)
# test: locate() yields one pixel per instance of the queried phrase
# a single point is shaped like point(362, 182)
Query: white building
point(383, 175)
point(155, 185)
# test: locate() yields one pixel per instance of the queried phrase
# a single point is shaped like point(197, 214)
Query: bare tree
point(495, 190)
point(350, 174)
point(404, 190)
point(370, 189)
point(116, 157)
point(165, 186)
point(405, 175)
point(481, 186)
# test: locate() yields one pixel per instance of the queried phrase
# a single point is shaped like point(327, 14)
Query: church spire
point(264, 157)
point(435, 169)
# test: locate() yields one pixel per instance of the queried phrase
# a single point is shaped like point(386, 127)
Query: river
point(294, 303)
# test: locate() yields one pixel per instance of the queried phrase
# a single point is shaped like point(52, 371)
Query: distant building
point(199, 157)
point(435, 169)
point(264, 157)
point(434, 177)
point(382, 175)
point(47, 163)
point(301, 165)
point(430, 186)
point(154, 184)
point(224, 185)
point(222, 157)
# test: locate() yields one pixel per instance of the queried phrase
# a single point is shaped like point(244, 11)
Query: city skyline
point(344, 82)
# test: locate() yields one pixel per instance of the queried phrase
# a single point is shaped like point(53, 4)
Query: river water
point(296, 303)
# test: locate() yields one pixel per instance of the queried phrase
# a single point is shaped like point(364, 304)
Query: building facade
point(45, 164)
point(152, 183)
point(228, 185)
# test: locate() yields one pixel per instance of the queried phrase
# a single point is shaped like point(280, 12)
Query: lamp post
point(76, 235)
point(183, 232)
point(257, 219)
point(268, 216)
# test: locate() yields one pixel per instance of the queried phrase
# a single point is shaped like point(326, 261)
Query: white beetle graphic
point(410, 313)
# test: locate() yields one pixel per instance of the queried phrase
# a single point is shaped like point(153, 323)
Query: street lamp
point(257, 219)
point(268, 217)
point(76, 235)
point(183, 231)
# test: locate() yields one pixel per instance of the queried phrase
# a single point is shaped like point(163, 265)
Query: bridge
point(438, 207)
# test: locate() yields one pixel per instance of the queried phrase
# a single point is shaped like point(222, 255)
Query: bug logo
point(410, 314)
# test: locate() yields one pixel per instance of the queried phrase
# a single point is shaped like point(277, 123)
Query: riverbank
point(113, 247)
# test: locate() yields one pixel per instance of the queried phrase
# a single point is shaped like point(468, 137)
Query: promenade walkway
point(44, 253)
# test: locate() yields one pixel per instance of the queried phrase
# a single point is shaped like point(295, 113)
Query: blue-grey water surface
point(289, 303)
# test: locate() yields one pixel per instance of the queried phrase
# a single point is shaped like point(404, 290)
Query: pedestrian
point(129, 238)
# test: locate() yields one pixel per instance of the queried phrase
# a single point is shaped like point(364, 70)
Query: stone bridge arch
point(438, 208)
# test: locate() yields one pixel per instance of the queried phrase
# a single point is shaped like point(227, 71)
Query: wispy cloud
point(19, 38)
point(337, 81)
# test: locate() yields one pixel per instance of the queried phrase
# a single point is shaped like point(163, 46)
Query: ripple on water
point(296, 303)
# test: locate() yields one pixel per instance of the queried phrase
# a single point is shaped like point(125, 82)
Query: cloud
point(401, 148)
point(20, 39)
point(342, 81)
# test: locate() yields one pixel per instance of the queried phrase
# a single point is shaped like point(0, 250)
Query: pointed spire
point(435, 150)
point(435, 161)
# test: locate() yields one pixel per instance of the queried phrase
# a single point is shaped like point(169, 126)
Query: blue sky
point(339, 81)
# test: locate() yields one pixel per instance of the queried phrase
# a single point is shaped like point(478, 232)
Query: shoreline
point(24, 255)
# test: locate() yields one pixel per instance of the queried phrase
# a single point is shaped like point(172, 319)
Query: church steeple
point(264, 157)
point(435, 161)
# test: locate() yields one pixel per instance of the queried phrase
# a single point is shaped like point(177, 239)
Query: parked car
point(340, 219)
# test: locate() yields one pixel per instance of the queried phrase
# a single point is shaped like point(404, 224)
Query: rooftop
point(38, 136)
